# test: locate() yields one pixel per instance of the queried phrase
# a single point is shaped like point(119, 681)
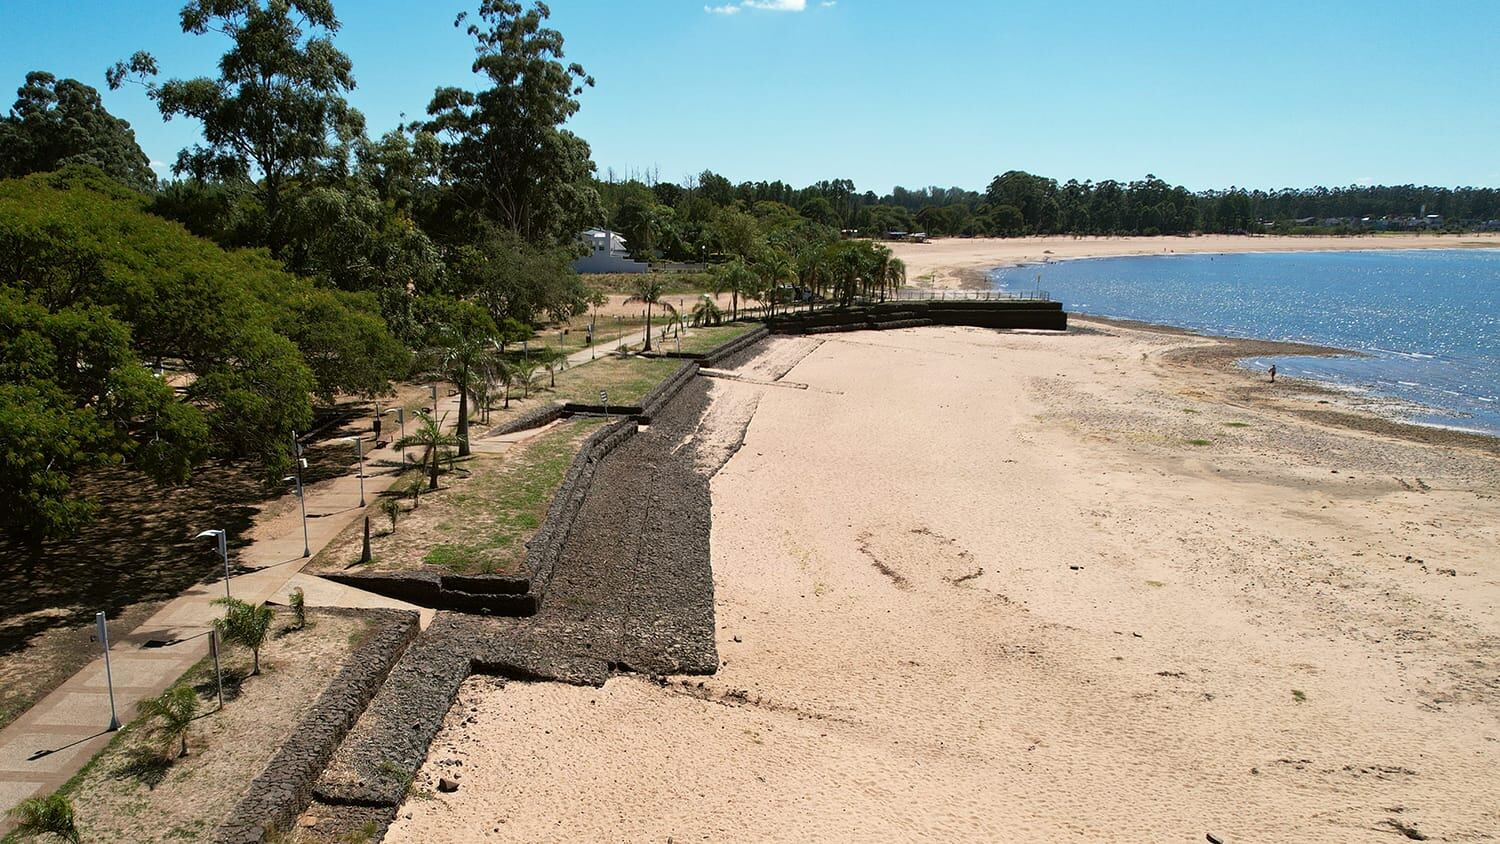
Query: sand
point(981, 586)
point(958, 262)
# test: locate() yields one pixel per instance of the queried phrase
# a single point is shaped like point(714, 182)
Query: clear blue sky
point(1205, 94)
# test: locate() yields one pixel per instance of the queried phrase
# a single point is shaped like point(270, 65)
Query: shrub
point(245, 624)
point(172, 714)
point(51, 815)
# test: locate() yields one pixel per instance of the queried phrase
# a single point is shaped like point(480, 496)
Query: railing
point(914, 294)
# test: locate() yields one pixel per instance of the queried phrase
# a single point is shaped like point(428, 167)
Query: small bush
point(298, 603)
point(51, 815)
point(392, 510)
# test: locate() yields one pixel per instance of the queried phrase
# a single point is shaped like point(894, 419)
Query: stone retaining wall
point(285, 787)
point(534, 418)
point(724, 351)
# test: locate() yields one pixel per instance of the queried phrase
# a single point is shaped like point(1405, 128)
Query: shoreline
point(960, 263)
point(1224, 356)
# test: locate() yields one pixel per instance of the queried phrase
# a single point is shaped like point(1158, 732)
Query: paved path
point(44, 747)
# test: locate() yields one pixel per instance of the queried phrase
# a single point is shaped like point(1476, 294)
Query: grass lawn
point(134, 791)
point(477, 523)
point(627, 379)
point(709, 337)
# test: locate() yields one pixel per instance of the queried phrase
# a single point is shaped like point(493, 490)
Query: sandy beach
point(983, 586)
point(958, 262)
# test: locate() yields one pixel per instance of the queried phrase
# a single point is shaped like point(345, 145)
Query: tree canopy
point(275, 111)
point(58, 122)
point(98, 294)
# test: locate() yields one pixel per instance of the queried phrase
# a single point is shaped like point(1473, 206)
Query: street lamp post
point(302, 499)
point(433, 389)
point(401, 420)
point(222, 543)
point(359, 451)
point(109, 677)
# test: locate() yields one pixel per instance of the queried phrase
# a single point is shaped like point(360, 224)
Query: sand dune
point(975, 586)
point(943, 262)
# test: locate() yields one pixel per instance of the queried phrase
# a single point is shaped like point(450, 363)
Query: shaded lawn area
point(707, 338)
point(477, 523)
point(132, 791)
point(137, 553)
point(628, 379)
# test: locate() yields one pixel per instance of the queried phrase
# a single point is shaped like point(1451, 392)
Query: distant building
point(607, 254)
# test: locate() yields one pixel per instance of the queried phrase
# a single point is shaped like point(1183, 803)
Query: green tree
point(429, 435)
point(507, 154)
point(736, 279)
point(74, 396)
point(245, 624)
point(171, 715)
point(50, 815)
point(463, 347)
point(774, 268)
point(646, 289)
point(58, 122)
point(276, 110)
point(707, 311)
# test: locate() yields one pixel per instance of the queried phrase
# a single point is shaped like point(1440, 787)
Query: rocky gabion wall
point(534, 418)
point(724, 352)
point(285, 787)
point(631, 590)
point(543, 550)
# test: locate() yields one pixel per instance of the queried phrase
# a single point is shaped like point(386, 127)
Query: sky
point(884, 92)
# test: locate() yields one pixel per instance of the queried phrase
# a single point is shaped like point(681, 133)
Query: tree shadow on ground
point(141, 545)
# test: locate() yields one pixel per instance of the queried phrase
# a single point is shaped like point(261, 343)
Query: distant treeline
point(1018, 203)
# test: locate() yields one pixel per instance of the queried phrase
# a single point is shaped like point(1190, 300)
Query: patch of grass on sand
point(1156, 583)
point(700, 340)
point(1200, 442)
point(1299, 696)
point(628, 379)
point(1188, 410)
point(478, 522)
point(1236, 424)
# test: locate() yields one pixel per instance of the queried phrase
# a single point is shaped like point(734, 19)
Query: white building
point(607, 254)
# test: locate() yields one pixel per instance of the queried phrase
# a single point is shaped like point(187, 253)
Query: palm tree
point(430, 435)
point(707, 312)
point(245, 624)
point(173, 714)
point(735, 278)
point(894, 277)
point(554, 361)
point(50, 815)
point(648, 291)
point(462, 352)
point(773, 268)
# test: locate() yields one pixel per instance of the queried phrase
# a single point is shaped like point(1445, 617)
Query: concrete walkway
point(44, 747)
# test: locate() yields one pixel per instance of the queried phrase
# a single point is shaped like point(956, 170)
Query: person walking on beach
point(1273, 373)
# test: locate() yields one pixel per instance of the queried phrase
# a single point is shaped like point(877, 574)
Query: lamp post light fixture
point(222, 543)
point(401, 420)
point(302, 499)
point(359, 451)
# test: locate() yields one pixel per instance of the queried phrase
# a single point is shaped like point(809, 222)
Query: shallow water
point(1427, 323)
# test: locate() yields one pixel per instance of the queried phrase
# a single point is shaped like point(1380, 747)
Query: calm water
point(1427, 322)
